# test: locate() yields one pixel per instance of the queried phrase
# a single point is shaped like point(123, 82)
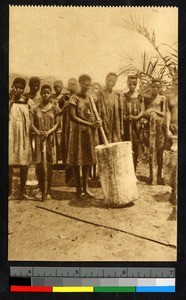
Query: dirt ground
point(138, 232)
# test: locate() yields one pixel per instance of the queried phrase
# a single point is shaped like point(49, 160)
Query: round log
point(116, 171)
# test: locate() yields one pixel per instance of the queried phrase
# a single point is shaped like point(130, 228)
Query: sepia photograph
point(93, 133)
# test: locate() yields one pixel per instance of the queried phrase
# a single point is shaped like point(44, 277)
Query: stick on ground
point(107, 227)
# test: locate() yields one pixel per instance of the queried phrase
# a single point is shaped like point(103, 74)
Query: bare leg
point(153, 172)
point(76, 170)
point(23, 179)
point(49, 183)
point(135, 155)
point(85, 173)
point(152, 149)
point(69, 174)
point(94, 171)
point(39, 175)
point(90, 173)
point(160, 166)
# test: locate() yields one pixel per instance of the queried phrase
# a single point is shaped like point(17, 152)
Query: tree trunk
point(116, 171)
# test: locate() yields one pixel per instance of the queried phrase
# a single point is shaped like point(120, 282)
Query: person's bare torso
point(156, 103)
point(173, 108)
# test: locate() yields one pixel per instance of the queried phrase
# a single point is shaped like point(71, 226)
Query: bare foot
point(48, 197)
point(89, 193)
point(160, 181)
point(173, 215)
point(38, 195)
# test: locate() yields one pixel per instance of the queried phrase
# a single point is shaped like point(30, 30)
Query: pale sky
point(68, 41)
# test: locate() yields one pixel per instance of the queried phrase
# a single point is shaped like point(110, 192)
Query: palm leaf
point(154, 67)
point(174, 49)
point(134, 23)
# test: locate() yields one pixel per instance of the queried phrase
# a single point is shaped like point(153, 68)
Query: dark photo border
point(180, 265)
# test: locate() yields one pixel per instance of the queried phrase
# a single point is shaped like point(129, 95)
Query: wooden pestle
point(97, 118)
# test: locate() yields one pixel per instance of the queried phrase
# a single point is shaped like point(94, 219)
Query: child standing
point(19, 135)
point(155, 112)
point(45, 121)
point(34, 84)
point(83, 135)
point(133, 109)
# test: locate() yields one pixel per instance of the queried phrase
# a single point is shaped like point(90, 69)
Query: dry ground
point(38, 234)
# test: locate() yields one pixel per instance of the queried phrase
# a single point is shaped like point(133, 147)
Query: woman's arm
point(33, 126)
point(73, 117)
point(142, 110)
point(168, 119)
point(160, 113)
point(54, 127)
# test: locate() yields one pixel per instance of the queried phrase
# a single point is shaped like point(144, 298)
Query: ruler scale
point(91, 279)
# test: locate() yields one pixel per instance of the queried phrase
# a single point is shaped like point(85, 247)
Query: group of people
point(66, 123)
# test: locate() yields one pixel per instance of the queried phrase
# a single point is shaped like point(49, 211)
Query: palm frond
point(136, 24)
point(172, 48)
point(144, 61)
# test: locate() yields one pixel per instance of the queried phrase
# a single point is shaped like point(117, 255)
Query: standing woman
point(83, 135)
point(133, 109)
point(64, 106)
point(111, 102)
point(19, 135)
point(45, 121)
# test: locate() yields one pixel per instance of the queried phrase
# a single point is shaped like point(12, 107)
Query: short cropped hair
point(112, 74)
point(72, 80)
point(46, 86)
point(96, 84)
point(132, 77)
point(58, 83)
point(84, 77)
point(34, 80)
point(21, 81)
